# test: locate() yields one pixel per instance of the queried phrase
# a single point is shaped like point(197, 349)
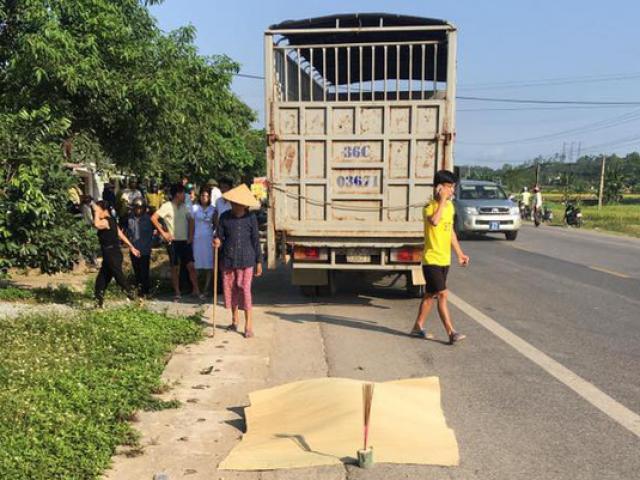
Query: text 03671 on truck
point(359, 115)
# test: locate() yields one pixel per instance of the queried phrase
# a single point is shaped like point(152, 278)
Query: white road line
point(618, 412)
point(610, 272)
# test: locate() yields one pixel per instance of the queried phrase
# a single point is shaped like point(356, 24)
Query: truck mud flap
point(310, 277)
point(417, 278)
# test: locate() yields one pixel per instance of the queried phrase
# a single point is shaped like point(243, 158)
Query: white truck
point(360, 114)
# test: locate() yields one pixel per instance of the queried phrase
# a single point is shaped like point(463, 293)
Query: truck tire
point(328, 290)
point(309, 290)
point(511, 236)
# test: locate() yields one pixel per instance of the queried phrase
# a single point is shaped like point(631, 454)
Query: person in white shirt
point(221, 204)
point(215, 191)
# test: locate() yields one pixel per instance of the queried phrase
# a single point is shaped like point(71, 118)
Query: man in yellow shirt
point(439, 237)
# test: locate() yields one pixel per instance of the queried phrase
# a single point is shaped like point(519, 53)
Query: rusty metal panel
point(399, 159)
point(357, 211)
point(344, 121)
point(288, 159)
point(315, 160)
point(400, 120)
point(357, 182)
point(315, 121)
point(371, 120)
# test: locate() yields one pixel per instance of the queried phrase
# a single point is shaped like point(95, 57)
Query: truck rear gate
point(359, 115)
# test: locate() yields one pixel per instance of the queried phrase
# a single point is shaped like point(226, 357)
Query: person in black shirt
point(110, 235)
point(140, 233)
point(241, 257)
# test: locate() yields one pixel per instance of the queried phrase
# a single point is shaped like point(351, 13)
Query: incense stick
point(367, 400)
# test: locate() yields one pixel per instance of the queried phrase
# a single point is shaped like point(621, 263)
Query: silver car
point(483, 207)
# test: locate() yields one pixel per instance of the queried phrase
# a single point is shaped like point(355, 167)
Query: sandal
point(232, 328)
point(177, 298)
point(248, 334)
point(418, 332)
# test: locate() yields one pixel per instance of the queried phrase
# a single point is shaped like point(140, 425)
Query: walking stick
point(215, 289)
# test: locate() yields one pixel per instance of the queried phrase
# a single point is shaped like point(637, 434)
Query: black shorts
point(436, 278)
point(180, 252)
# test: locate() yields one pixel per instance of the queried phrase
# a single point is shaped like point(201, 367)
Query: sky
point(515, 49)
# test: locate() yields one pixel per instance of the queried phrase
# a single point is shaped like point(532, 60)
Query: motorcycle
point(525, 210)
point(572, 215)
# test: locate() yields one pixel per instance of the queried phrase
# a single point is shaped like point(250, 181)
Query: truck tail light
point(314, 254)
point(406, 255)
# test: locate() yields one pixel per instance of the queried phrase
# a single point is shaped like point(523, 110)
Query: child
point(237, 233)
point(439, 237)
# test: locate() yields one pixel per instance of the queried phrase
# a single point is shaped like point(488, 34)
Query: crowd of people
point(195, 225)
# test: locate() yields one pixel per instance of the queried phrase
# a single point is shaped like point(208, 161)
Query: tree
point(96, 80)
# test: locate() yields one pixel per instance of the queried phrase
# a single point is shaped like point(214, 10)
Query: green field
point(70, 384)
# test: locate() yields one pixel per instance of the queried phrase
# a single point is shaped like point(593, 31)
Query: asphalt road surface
point(547, 384)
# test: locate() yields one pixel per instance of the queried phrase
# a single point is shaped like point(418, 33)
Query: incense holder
point(365, 458)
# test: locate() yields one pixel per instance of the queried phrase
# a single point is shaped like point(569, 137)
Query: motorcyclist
point(526, 196)
point(537, 202)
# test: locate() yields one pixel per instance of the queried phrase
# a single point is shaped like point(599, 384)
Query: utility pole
point(579, 148)
point(571, 153)
point(564, 151)
point(601, 192)
point(537, 173)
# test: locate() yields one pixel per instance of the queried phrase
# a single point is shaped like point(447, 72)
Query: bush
point(69, 385)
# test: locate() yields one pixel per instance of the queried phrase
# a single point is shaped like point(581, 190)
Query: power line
point(547, 102)
point(543, 82)
point(561, 108)
point(601, 124)
point(249, 75)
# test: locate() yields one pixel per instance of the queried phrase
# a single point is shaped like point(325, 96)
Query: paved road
point(573, 296)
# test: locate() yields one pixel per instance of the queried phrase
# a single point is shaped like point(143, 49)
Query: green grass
point(61, 294)
point(621, 218)
point(68, 385)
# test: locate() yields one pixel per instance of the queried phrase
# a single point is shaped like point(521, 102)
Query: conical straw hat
point(242, 196)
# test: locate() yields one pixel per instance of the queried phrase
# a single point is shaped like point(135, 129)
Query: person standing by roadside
point(537, 201)
point(177, 220)
point(109, 236)
point(439, 237)
point(155, 198)
point(241, 258)
point(215, 192)
point(140, 233)
point(202, 214)
point(222, 205)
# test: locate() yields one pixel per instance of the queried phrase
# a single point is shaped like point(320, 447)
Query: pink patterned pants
point(236, 283)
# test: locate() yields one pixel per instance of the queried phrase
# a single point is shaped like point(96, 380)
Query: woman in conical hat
point(241, 256)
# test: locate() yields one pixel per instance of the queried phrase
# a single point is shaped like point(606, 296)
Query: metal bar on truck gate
point(373, 72)
point(423, 73)
point(348, 74)
point(397, 72)
point(298, 58)
point(311, 74)
point(410, 72)
point(324, 77)
point(335, 86)
point(360, 65)
point(363, 44)
point(386, 64)
point(310, 31)
point(435, 70)
point(286, 76)
point(270, 128)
